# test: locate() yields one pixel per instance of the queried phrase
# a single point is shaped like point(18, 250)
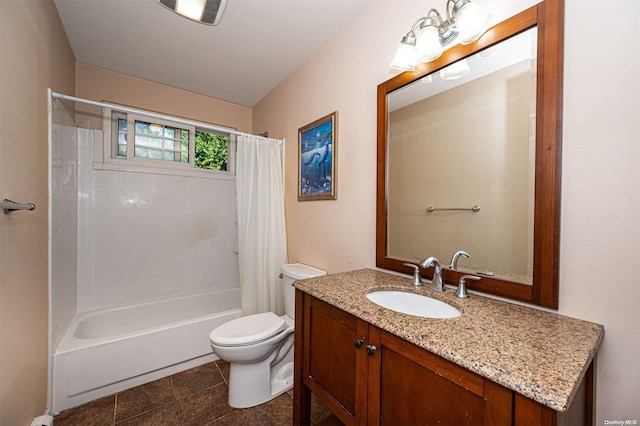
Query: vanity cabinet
point(366, 375)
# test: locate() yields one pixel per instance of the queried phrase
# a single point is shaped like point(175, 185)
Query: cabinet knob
point(358, 342)
point(370, 349)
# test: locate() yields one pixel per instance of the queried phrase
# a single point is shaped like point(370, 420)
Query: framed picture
point(317, 171)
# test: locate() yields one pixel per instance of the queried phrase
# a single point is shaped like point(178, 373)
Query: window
point(163, 144)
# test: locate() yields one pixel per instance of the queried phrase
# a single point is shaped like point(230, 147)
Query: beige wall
point(99, 84)
point(34, 55)
point(601, 166)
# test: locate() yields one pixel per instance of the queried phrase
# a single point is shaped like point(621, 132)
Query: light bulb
point(472, 21)
point(190, 8)
point(404, 59)
point(428, 45)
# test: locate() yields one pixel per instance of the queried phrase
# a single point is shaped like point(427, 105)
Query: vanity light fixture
point(204, 11)
point(430, 35)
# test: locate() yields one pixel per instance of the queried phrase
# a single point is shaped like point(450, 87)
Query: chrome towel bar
point(430, 209)
point(8, 206)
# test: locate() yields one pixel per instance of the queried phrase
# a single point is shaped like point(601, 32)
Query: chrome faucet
point(417, 279)
point(454, 260)
point(436, 282)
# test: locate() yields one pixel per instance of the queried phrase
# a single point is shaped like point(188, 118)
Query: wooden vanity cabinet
point(333, 367)
point(410, 386)
point(366, 375)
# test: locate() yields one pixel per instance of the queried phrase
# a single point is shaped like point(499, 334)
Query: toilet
point(259, 347)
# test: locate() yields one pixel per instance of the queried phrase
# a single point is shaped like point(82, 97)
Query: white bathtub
point(107, 351)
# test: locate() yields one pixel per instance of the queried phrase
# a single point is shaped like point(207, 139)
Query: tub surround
point(540, 355)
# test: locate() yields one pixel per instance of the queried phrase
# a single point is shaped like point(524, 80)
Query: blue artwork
point(316, 157)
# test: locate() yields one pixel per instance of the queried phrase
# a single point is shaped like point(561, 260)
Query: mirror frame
point(548, 16)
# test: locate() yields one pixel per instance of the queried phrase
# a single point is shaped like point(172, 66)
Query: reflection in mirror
point(478, 156)
point(448, 126)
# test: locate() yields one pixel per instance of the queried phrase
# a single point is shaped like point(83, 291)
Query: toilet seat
point(248, 330)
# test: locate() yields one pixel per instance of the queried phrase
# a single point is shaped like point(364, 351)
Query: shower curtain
point(262, 239)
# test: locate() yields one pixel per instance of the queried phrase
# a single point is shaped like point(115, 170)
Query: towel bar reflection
point(430, 209)
point(8, 206)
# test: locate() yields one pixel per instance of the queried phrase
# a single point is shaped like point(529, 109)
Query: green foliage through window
point(211, 151)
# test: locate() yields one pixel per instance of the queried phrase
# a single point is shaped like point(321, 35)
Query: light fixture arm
point(410, 37)
point(432, 17)
point(446, 28)
point(438, 17)
point(449, 7)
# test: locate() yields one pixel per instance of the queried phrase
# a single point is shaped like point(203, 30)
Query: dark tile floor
point(193, 397)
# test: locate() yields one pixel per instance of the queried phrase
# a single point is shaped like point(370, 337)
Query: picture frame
point(317, 160)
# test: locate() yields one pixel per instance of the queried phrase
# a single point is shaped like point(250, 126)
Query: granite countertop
point(538, 354)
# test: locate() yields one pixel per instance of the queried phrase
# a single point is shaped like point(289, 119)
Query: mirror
point(483, 123)
point(473, 163)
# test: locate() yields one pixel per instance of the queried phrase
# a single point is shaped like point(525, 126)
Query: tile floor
point(193, 397)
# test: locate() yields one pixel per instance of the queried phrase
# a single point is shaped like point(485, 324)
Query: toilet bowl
point(259, 348)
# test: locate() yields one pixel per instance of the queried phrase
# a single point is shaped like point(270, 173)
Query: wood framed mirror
point(542, 287)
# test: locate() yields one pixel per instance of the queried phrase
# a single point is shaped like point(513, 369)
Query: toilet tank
point(290, 273)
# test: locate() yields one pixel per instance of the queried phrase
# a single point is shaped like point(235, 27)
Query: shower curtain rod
point(207, 126)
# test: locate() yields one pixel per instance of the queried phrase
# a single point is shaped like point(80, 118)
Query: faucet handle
point(461, 291)
point(417, 279)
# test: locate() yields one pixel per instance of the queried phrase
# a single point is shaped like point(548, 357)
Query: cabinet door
point(335, 365)
point(410, 386)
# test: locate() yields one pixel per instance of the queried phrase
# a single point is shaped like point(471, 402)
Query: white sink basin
point(413, 304)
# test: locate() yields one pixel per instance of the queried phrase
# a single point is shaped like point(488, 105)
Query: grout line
point(175, 397)
point(148, 411)
point(115, 407)
point(227, 415)
point(221, 374)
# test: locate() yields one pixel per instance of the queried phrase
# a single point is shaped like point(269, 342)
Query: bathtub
point(110, 350)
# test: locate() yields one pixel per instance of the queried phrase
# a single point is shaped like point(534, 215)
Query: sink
point(413, 304)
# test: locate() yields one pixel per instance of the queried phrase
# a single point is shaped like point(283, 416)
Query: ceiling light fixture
point(430, 35)
point(204, 11)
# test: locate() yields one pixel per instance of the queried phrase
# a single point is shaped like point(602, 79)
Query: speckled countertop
point(538, 354)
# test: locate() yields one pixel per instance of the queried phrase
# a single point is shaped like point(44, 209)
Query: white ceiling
point(255, 46)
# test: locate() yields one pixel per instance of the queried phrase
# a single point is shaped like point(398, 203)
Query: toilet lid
point(247, 330)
